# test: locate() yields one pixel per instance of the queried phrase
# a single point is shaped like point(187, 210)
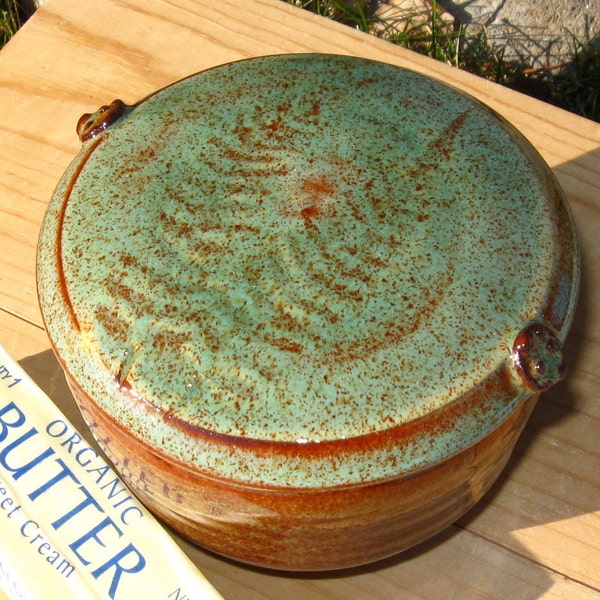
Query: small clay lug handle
point(538, 358)
point(92, 124)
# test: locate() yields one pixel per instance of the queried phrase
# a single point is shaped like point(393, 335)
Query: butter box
point(69, 527)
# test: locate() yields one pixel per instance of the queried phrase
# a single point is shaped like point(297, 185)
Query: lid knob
point(91, 124)
point(538, 358)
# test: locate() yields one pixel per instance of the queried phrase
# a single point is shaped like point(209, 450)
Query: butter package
point(69, 527)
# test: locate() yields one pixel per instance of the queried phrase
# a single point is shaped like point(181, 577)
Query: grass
point(10, 20)
point(573, 85)
point(576, 85)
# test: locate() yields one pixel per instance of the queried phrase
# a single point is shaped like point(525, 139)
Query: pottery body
point(307, 300)
point(308, 529)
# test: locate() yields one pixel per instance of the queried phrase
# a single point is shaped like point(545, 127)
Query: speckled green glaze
point(307, 250)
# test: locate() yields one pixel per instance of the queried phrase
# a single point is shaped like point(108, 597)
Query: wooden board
point(537, 533)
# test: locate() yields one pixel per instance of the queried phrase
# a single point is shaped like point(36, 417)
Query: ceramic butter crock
point(306, 303)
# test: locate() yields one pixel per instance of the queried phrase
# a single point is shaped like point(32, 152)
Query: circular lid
point(307, 255)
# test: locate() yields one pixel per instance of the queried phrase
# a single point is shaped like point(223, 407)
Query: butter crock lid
point(307, 270)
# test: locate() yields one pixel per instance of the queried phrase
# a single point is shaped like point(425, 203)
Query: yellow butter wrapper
point(69, 527)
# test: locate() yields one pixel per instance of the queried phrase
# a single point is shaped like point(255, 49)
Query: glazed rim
point(491, 297)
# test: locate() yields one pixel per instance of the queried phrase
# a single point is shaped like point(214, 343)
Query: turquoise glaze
point(305, 250)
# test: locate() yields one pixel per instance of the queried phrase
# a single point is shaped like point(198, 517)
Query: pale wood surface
point(537, 533)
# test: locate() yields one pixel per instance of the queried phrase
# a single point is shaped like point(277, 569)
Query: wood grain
point(537, 533)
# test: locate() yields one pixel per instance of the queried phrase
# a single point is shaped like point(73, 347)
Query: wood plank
point(537, 534)
point(546, 505)
point(455, 565)
point(21, 338)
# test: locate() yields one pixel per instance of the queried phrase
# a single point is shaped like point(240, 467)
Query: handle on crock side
point(537, 357)
point(92, 124)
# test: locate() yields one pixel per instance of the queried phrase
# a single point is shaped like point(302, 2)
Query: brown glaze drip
point(59, 246)
point(475, 401)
